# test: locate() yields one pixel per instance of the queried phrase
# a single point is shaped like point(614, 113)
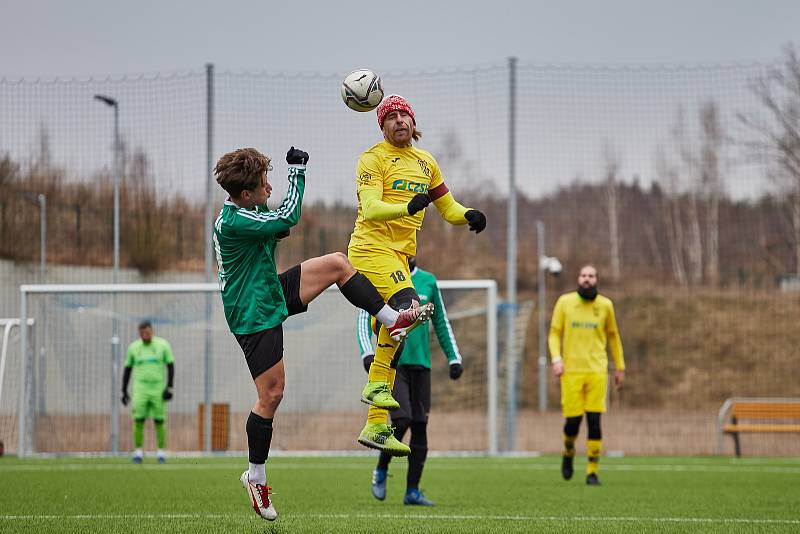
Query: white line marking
point(415, 517)
point(278, 466)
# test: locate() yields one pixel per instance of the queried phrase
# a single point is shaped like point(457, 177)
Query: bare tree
point(777, 135)
point(711, 182)
point(671, 210)
point(694, 243)
point(612, 166)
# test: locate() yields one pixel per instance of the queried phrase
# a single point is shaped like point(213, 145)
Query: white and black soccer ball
point(362, 90)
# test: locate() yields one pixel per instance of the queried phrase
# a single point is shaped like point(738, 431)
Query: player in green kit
point(257, 300)
point(149, 359)
point(412, 387)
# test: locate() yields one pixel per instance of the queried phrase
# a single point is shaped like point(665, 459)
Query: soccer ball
point(362, 90)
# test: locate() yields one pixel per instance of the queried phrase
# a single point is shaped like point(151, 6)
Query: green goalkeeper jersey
point(417, 348)
point(244, 241)
point(149, 361)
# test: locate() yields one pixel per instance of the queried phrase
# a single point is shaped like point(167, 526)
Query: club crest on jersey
point(424, 167)
point(408, 185)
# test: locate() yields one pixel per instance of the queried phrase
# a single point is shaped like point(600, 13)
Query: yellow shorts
point(583, 392)
point(387, 269)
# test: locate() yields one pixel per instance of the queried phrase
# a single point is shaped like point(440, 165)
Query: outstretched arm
point(455, 213)
point(375, 209)
point(261, 222)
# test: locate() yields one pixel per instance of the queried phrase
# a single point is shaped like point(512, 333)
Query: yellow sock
point(569, 446)
point(382, 372)
point(377, 415)
point(593, 449)
point(384, 352)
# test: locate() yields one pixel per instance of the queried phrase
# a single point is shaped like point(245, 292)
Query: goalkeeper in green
point(149, 359)
point(412, 388)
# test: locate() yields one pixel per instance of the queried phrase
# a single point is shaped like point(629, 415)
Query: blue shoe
point(379, 484)
point(415, 496)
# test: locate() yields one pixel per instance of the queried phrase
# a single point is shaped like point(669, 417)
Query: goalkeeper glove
point(167, 393)
point(455, 370)
point(125, 398)
point(418, 203)
point(295, 156)
point(476, 220)
point(367, 361)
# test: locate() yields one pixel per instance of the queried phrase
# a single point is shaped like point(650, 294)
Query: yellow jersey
point(586, 327)
point(387, 178)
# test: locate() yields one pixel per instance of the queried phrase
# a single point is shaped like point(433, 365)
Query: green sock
point(138, 434)
point(161, 434)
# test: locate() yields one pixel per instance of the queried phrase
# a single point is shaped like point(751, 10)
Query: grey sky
point(92, 37)
point(566, 115)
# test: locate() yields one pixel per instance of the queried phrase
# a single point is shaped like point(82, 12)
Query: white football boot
point(259, 498)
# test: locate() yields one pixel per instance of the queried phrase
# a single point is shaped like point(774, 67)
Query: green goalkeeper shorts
point(148, 402)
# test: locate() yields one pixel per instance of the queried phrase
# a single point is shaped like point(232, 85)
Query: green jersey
point(417, 348)
point(149, 361)
point(244, 241)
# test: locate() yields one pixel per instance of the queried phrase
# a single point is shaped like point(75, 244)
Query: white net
point(73, 395)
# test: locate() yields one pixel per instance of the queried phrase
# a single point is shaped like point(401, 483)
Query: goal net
point(61, 389)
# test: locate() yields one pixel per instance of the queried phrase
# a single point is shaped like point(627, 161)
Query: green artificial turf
point(201, 495)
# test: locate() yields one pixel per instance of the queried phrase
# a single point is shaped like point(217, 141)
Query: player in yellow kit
point(585, 321)
point(395, 183)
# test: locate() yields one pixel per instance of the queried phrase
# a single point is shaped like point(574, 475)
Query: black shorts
point(264, 349)
point(412, 390)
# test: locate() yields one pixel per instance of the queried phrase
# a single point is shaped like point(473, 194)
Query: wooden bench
point(756, 415)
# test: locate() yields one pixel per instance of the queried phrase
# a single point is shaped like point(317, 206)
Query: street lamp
point(547, 264)
point(115, 354)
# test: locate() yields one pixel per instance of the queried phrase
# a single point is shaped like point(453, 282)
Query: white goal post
point(79, 390)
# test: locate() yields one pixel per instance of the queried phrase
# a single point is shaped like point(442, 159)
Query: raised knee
point(340, 263)
point(271, 399)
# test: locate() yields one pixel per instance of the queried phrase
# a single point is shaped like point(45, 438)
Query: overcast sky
point(570, 114)
point(99, 38)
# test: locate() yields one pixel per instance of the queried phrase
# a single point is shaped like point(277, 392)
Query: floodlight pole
point(42, 237)
point(208, 385)
point(542, 319)
point(115, 352)
point(511, 262)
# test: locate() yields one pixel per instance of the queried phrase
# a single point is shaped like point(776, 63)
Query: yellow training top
point(586, 326)
point(387, 178)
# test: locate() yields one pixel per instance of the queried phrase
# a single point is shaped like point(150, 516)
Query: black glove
point(419, 202)
point(167, 395)
point(367, 361)
point(295, 156)
point(125, 398)
point(476, 220)
point(281, 235)
point(455, 370)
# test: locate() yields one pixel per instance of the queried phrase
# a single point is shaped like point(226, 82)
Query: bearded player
point(396, 182)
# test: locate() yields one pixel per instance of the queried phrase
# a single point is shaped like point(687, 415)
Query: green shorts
point(148, 402)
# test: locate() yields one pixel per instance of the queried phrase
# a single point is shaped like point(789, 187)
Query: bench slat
point(731, 429)
point(764, 410)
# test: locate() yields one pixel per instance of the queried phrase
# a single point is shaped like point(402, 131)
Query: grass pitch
point(471, 494)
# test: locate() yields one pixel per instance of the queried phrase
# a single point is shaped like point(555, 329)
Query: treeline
point(682, 230)
point(754, 240)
